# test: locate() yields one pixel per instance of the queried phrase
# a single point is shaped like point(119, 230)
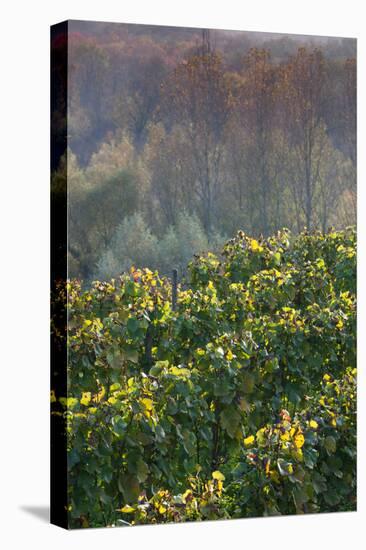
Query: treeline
point(194, 144)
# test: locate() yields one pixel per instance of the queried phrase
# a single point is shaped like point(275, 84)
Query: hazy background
point(180, 137)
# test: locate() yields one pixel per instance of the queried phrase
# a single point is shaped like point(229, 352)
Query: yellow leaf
point(85, 398)
point(147, 403)
point(254, 245)
point(248, 441)
point(187, 495)
point(229, 355)
point(261, 437)
point(180, 371)
point(218, 475)
point(162, 509)
point(99, 396)
point(299, 440)
point(285, 436)
point(127, 509)
point(326, 377)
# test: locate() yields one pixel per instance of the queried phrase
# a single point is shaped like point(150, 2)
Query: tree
point(87, 105)
point(257, 150)
point(258, 105)
point(132, 244)
point(169, 164)
point(350, 127)
point(302, 89)
point(331, 184)
point(139, 101)
point(94, 213)
point(181, 241)
point(198, 98)
point(110, 202)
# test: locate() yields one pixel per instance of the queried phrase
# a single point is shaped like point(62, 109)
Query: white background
point(24, 286)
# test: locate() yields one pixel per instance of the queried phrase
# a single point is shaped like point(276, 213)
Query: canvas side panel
point(59, 56)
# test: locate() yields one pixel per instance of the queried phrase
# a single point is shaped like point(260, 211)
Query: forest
point(177, 138)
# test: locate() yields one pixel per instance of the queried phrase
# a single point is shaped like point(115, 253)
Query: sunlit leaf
point(218, 475)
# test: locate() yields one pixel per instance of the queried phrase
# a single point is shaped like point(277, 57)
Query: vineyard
point(237, 400)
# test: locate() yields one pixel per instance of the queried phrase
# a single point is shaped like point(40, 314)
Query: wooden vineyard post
point(174, 289)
